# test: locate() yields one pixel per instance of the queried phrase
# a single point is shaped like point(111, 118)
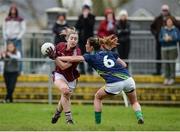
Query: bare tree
point(33, 11)
point(100, 5)
point(60, 3)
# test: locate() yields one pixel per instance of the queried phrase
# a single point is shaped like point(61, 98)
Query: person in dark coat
point(156, 26)
point(58, 28)
point(85, 26)
point(123, 33)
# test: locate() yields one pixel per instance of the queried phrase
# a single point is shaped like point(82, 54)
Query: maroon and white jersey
point(70, 73)
point(14, 28)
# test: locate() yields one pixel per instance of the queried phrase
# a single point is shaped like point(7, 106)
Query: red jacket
point(102, 31)
point(70, 73)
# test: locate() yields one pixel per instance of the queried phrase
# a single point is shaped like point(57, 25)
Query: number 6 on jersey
point(108, 62)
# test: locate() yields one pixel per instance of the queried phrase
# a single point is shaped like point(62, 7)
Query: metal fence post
point(130, 66)
point(49, 85)
point(178, 59)
point(178, 50)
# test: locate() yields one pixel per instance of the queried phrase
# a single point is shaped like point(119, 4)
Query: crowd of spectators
point(120, 26)
point(166, 37)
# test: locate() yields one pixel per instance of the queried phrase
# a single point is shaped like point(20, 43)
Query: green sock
point(98, 117)
point(138, 114)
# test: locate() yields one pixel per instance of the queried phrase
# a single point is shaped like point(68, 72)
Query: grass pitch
point(34, 117)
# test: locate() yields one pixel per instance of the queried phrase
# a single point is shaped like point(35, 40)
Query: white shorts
point(58, 76)
point(127, 85)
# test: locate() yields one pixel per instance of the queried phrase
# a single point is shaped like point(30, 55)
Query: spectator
point(11, 69)
point(155, 29)
point(107, 26)
point(123, 33)
point(59, 27)
point(14, 28)
point(85, 26)
point(169, 36)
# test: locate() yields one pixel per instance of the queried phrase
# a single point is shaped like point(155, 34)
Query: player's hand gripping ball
point(47, 49)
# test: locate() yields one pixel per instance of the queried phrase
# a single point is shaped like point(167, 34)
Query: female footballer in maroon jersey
point(65, 74)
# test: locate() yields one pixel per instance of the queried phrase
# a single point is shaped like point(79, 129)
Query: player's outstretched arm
point(70, 58)
point(120, 61)
point(63, 65)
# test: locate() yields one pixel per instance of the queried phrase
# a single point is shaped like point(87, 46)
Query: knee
point(66, 92)
point(97, 96)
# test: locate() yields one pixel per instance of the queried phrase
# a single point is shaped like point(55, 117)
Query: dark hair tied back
point(94, 41)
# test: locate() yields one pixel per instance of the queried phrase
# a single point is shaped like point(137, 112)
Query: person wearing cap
point(85, 26)
point(123, 32)
point(107, 26)
point(58, 28)
point(156, 26)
